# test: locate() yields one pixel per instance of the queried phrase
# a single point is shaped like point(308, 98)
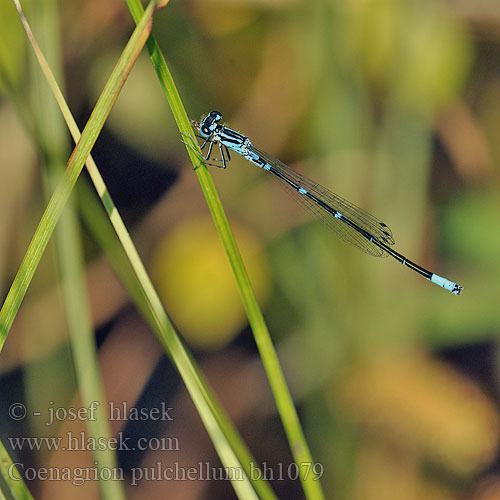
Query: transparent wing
point(358, 216)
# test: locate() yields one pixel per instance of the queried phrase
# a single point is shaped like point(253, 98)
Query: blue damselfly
point(348, 221)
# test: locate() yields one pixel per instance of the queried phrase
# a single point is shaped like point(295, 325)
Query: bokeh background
point(394, 105)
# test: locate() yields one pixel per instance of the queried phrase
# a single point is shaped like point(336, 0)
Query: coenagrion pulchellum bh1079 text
point(348, 221)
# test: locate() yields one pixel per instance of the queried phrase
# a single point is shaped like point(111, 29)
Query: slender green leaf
point(11, 478)
point(68, 248)
point(75, 164)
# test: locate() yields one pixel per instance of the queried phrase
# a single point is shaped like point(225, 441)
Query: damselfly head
point(209, 124)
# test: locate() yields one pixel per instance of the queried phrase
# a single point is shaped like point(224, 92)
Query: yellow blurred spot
point(424, 405)
point(386, 472)
point(12, 47)
point(195, 282)
point(223, 18)
point(418, 51)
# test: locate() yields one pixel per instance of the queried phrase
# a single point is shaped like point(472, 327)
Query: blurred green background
point(392, 104)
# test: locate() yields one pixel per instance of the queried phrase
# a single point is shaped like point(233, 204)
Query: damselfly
point(348, 221)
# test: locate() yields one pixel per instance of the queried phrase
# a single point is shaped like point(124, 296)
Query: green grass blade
point(223, 434)
point(69, 256)
point(11, 478)
point(75, 164)
point(96, 222)
point(284, 402)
